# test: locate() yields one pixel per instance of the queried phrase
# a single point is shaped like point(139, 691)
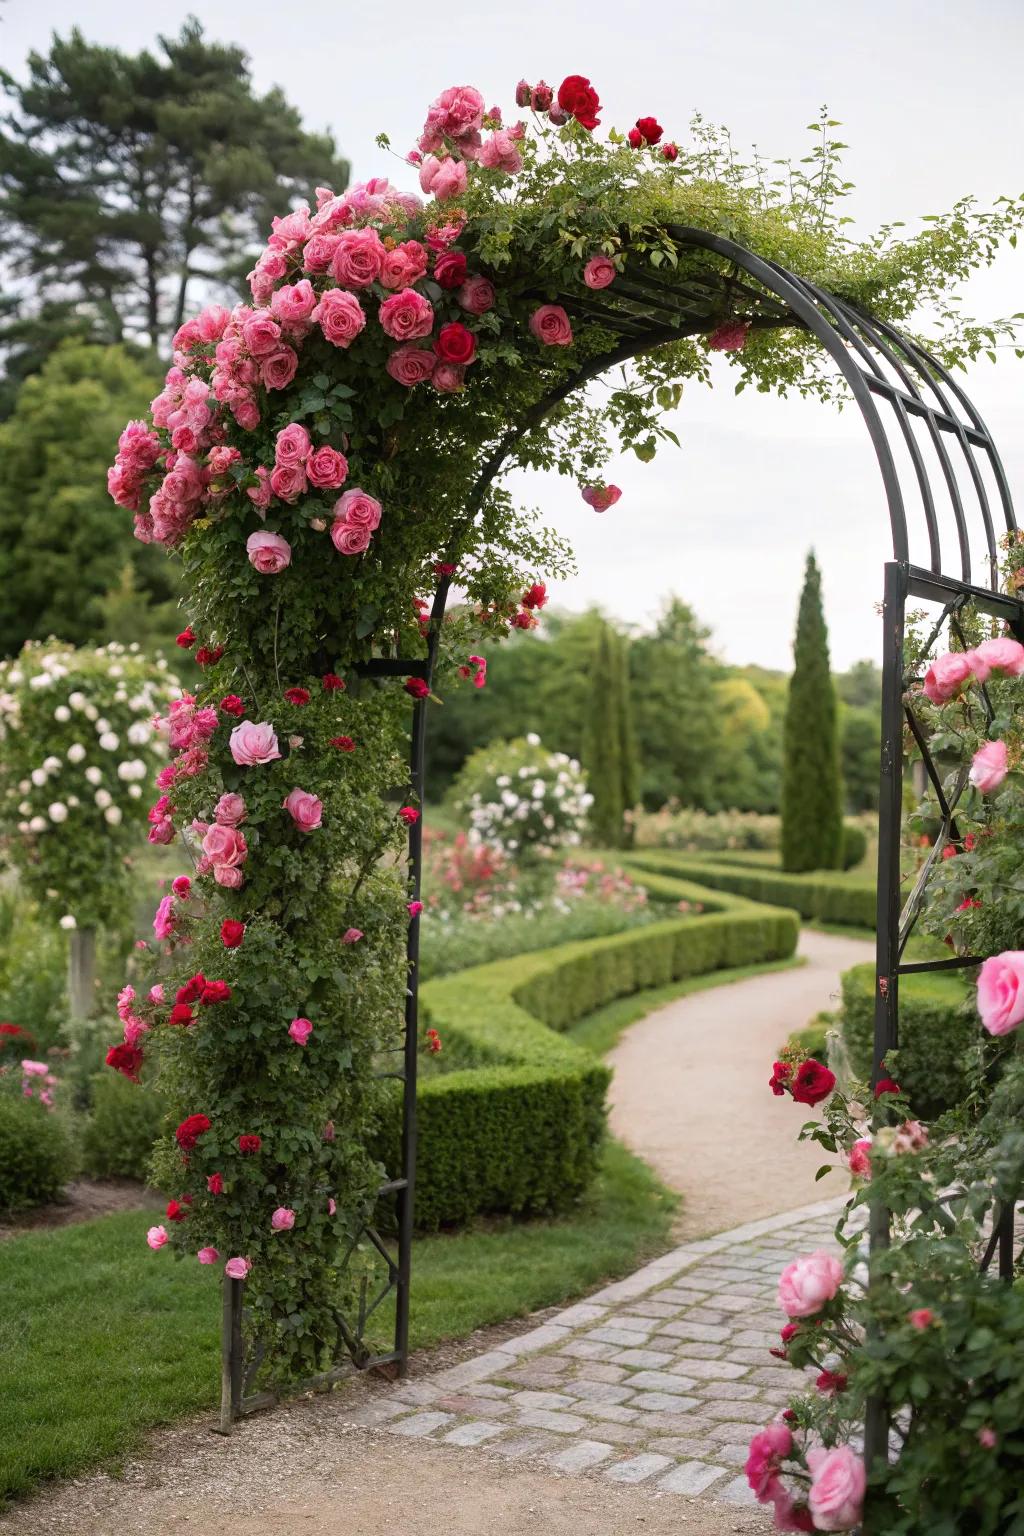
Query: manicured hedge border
point(515, 1122)
point(938, 1035)
point(823, 896)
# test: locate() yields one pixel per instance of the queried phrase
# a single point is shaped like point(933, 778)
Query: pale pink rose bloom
point(349, 538)
point(268, 552)
point(163, 921)
point(1003, 655)
point(406, 315)
point(550, 324)
point(340, 316)
point(208, 1255)
point(304, 809)
point(327, 469)
point(35, 1068)
point(352, 936)
point(1001, 992)
point(458, 113)
point(288, 481)
point(293, 304)
point(838, 1481)
point(443, 179)
point(156, 994)
point(252, 744)
point(261, 334)
point(228, 876)
point(359, 509)
point(989, 766)
point(278, 370)
point(859, 1158)
point(912, 1136)
point(300, 1030)
point(358, 257)
point(404, 265)
point(230, 810)
point(156, 1237)
point(211, 322)
point(987, 1438)
point(332, 1205)
point(808, 1283)
point(237, 1268)
point(260, 495)
point(476, 296)
point(500, 152)
point(319, 252)
point(292, 445)
point(223, 845)
point(947, 675)
point(448, 378)
point(599, 272)
point(410, 365)
point(282, 1220)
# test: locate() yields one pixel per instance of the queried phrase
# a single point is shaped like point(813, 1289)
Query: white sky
point(928, 92)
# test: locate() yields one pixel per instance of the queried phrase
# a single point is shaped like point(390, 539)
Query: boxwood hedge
point(824, 896)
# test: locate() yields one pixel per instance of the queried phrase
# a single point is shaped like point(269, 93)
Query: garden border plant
point(286, 461)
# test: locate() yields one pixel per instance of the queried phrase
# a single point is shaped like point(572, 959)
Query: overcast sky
point(929, 95)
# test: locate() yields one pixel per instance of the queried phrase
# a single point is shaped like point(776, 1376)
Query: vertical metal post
point(230, 1355)
point(406, 1193)
point(887, 953)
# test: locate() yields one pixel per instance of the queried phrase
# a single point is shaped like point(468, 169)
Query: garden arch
point(949, 503)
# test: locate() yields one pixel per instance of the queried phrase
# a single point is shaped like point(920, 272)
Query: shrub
point(463, 942)
point(855, 844)
point(522, 798)
point(677, 826)
point(33, 967)
point(937, 1035)
point(826, 896)
point(35, 1155)
point(121, 1130)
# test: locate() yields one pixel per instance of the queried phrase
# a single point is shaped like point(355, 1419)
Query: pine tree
point(602, 757)
point(812, 820)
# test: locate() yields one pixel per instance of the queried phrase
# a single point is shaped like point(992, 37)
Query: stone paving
point(659, 1379)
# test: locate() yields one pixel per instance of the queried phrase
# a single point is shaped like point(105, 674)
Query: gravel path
point(690, 1091)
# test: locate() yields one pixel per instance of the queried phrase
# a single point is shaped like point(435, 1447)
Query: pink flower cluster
point(948, 674)
point(356, 516)
point(138, 449)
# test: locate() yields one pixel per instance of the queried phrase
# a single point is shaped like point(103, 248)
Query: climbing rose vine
point(319, 459)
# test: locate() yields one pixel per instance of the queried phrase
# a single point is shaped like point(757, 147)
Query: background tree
point(127, 179)
point(674, 706)
point(63, 543)
point(602, 739)
point(629, 768)
point(812, 812)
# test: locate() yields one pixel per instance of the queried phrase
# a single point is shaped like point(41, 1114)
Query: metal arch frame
point(645, 310)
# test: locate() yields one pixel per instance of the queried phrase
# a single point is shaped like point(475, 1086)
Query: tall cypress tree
point(601, 742)
point(812, 813)
point(628, 775)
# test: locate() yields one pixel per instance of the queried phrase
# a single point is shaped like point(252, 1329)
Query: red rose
point(523, 620)
point(831, 1382)
point(885, 1085)
point(650, 129)
point(186, 639)
point(670, 151)
point(215, 992)
point(181, 1013)
point(455, 343)
point(231, 704)
point(409, 815)
point(297, 695)
point(433, 1042)
point(343, 743)
point(443, 568)
point(813, 1082)
point(450, 269)
point(232, 933)
point(190, 1130)
point(577, 96)
point(332, 682)
point(206, 656)
point(249, 1144)
point(635, 138)
point(176, 1211)
point(192, 990)
point(126, 1059)
point(781, 1074)
point(535, 596)
point(417, 687)
point(215, 1184)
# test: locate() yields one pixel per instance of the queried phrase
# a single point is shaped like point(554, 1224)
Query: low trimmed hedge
point(824, 896)
point(515, 1120)
point(937, 1035)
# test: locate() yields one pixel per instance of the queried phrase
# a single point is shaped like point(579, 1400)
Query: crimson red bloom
point(522, 620)
point(186, 639)
point(417, 687)
point(886, 1085)
point(455, 343)
point(190, 1130)
point(670, 151)
point(535, 596)
point(207, 655)
point(332, 682)
point(813, 1082)
point(181, 1013)
point(126, 1059)
point(231, 704)
point(649, 129)
point(781, 1074)
point(409, 815)
point(442, 568)
point(297, 695)
point(635, 138)
point(176, 1211)
point(232, 933)
point(192, 990)
point(433, 1042)
point(343, 743)
point(831, 1382)
point(249, 1144)
point(577, 96)
point(215, 992)
point(215, 1183)
point(450, 269)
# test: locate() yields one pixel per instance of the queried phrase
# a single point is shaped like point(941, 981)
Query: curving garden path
point(690, 1091)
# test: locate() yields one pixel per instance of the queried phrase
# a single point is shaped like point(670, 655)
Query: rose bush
point(522, 799)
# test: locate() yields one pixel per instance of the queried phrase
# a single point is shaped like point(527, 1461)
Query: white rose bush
point(522, 799)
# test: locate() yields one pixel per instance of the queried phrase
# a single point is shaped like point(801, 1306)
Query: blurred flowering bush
point(676, 826)
point(523, 799)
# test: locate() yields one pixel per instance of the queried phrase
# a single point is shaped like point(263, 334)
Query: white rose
point(25, 808)
point(139, 733)
point(38, 777)
point(77, 700)
point(23, 827)
point(533, 739)
point(41, 680)
point(117, 671)
point(68, 921)
point(135, 790)
point(91, 712)
point(37, 824)
point(73, 802)
point(110, 741)
point(57, 811)
point(94, 775)
point(52, 764)
point(76, 752)
point(15, 676)
point(103, 798)
point(62, 713)
point(112, 815)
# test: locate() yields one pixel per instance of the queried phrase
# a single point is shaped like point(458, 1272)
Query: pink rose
point(358, 509)
point(269, 553)
point(163, 920)
point(1001, 656)
point(253, 744)
point(261, 334)
point(156, 1237)
point(278, 370)
point(282, 1220)
point(300, 1030)
point(443, 179)
point(838, 1481)
point(293, 304)
point(340, 316)
point(808, 1283)
point(407, 315)
point(327, 469)
point(228, 876)
point(729, 337)
point(768, 1449)
point(207, 1255)
point(448, 378)
point(550, 325)
point(500, 152)
point(1001, 991)
point(261, 494)
point(358, 257)
point(292, 445)
point(288, 481)
point(601, 497)
point(989, 766)
point(352, 936)
point(319, 252)
point(947, 675)
point(458, 113)
point(225, 846)
point(237, 1269)
point(599, 272)
point(230, 811)
point(912, 1136)
point(410, 365)
point(404, 265)
point(349, 538)
point(332, 1205)
point(859, 1159)
point(476, 296)
point(304, 809)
